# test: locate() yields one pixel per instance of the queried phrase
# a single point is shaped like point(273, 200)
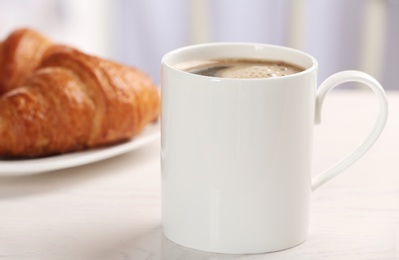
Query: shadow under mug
point(236, 153)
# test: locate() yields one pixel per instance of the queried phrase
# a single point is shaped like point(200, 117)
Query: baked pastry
point(56, 99)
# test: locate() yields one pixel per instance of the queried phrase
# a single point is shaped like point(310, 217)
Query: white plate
point(31, 166)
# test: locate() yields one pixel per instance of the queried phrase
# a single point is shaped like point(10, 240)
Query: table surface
point(111, 209)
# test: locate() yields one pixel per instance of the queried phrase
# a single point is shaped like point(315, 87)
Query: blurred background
point(340, 34)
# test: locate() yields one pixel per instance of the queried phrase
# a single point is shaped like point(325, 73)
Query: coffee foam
point(257, 71)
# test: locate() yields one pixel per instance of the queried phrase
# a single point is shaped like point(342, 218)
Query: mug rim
point(170, 54)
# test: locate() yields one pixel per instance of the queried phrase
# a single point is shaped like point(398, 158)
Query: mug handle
point(325, 87)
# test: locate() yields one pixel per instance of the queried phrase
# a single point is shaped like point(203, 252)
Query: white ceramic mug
point(237, 153)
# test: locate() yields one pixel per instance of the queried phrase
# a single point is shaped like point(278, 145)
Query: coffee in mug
point(239, 68)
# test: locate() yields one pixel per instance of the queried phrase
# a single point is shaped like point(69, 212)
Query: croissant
point(56, 99)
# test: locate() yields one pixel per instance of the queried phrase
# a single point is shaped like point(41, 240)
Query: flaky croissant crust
point(56, 99)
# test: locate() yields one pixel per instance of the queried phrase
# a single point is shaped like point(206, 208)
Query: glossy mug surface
point(237, 153)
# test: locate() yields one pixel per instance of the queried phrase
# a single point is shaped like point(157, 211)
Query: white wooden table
point(111, 209)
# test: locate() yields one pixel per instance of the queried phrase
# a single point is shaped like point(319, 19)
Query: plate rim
point(149, 134)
